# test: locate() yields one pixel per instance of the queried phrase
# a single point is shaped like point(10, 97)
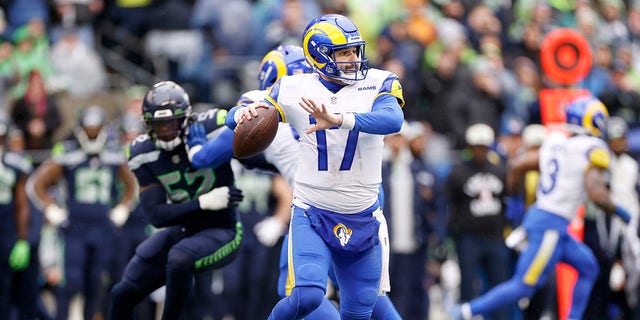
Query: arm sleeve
point(161, 213)
point(385, 117)
point(230, 121)
point(215, 151)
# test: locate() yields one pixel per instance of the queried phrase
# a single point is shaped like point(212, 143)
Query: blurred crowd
point(461, 63)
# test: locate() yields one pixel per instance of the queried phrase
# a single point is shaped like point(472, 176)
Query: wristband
point(348, 121)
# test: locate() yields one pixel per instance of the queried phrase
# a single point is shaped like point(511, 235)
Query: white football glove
point(216, 199)
point(269, 231)
point(55, 215)
point(119, 215)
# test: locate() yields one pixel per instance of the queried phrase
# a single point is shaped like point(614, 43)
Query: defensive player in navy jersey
point(341, 113)
point(15, 250)
point(90, 166)
point(194, 207)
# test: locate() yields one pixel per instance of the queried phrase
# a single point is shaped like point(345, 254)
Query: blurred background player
point(86, 168)
point(572, 170)
point(201, 229)
point(328, 162)
point(15, 249)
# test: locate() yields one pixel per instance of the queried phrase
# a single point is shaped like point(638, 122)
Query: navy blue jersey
point(13, 166)
point(90, 180)
point(172, 170)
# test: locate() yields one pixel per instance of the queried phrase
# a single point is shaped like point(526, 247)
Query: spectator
point(77, 66)
point(36, 114)
point(410, 194)
point(474, 190)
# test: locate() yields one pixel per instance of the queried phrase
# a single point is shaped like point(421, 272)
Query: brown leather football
point(253, 136)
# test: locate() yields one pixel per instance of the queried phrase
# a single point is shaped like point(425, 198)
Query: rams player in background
point(572, 170)
point(341, 112)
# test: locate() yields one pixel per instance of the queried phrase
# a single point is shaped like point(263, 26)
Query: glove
point(55, 215)
point(220, 198)
point(623, 214)
point(195, 139)
point(20, 255)
point(514, 210)
point(119, 215)
point(269, 231)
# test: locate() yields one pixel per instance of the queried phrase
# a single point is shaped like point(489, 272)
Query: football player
point(194, 207)
point(15, 250)
point(90, 166)
point(572, 170)
point(342, 112)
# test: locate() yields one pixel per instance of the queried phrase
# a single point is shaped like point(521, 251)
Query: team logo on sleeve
point(342, 233)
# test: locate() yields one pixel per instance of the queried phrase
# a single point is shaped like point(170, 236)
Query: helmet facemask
point(92, 142)
point(167, 132)
point(348, 72)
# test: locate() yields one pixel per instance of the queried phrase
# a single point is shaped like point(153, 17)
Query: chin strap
point(168, 145)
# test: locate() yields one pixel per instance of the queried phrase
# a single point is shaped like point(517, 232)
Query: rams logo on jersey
point(342, 233)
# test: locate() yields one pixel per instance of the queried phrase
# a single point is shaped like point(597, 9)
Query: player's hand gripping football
point(324, 119)
point(220, 198)
point(249, 112)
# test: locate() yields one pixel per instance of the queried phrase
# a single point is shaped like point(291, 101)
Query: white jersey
point(338, 169)
point(283, 151)
point(563, 163)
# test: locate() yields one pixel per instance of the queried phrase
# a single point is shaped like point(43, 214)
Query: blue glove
point(622, 213)
point(197, 135)
point(514, 210)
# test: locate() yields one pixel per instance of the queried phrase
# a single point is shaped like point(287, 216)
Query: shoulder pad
point(18, 162)
point(212, 119)
point(391, 85)
point(599, 157)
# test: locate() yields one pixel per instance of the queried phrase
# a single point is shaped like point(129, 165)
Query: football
point(253, 136)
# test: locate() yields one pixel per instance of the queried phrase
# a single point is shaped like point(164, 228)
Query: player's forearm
point(230, 121)
point(161, 213)
point(215, 152)
point(385, 118)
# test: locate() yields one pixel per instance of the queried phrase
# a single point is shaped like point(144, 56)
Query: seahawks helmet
point(587, 115)
point(283, 60)
point(165, 111)
point(327, 34)
point(89, 129)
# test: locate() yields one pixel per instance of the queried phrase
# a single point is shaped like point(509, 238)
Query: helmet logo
point(164, 113)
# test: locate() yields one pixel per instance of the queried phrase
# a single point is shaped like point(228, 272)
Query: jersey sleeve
point(272, 99)
point(391, 86)
point(212, 119)
point(18, 162)
point(139, 155)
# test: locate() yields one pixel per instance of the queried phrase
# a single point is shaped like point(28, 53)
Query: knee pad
point(179, 261)
point(361, 306)
point(306, 299)
point(310, 272)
